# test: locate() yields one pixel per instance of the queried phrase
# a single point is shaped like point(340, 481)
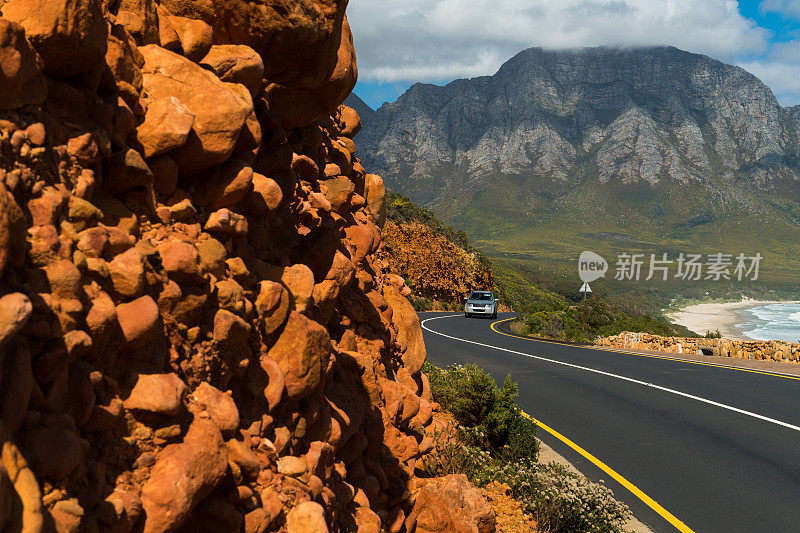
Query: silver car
point(481, 303)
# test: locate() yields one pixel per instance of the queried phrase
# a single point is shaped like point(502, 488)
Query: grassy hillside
point(440, 265)
point(544, 243)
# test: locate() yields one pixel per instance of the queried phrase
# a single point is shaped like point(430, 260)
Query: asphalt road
point(717, 448)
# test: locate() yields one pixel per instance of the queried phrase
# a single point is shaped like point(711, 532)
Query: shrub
point(561, 500)
point(496, 442)
point(590, 319)
point(475, 400)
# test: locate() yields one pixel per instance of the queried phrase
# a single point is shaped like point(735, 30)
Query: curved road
point(717, 448)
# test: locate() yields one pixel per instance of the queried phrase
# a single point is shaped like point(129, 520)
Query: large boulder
point(166, 126)
point(220, 112)
point(311, 67)
point(21, 80)
point(375, 193)
point(302, 352)
point(184, 474)
point(409, 329)
point(297, 103)
point(452, 503)
point(70, 35)
point(236, 64)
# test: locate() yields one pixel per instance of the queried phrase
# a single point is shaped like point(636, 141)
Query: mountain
point(364, 111)
point(650, 148)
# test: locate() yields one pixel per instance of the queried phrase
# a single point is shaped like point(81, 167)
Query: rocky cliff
point(196, 332)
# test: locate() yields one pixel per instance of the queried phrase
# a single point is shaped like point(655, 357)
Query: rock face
point(191, 337)
point(638, 141)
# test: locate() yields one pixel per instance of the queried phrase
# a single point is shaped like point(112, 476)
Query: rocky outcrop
point(452, 504)
point(197, 332)
point(433, 260)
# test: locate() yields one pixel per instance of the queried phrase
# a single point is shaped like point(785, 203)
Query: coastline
point(724, 317)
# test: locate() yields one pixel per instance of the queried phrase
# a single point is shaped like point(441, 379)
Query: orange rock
point(195, 36)
point(268, 195)
point(230, 330)
point(376, 198)
point(157, 393)
point(298, 279)
point(183, 475)
point(166, 126)
point(125, 170)
point(127, 273)
point(139, 321)
point(338, 191)
point(15, 309)
point(21, 80)
point(225, 185)
point(219, 112)
point(181, 261)
point(226, 222)
point(236, 64)
point(308, 517)
point(302, 352)
point(349, 120)
point(297, 104)
point(362, 239)
point(273, 392)
point(272, 305)
point(452, 503)
point(219, 406)
point(305, 167)
point(409, 329)
point(70, 35)
point(212, 256)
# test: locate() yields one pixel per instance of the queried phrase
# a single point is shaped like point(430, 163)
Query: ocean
point(778, 321)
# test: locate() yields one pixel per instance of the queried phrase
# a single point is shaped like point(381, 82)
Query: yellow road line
point(650, 502)
point(666, 358)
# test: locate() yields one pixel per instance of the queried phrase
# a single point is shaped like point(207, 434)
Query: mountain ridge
point(685, 149)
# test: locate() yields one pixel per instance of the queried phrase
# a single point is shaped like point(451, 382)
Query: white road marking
point(617, 376)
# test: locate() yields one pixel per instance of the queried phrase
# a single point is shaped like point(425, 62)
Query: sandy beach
point(701, 318)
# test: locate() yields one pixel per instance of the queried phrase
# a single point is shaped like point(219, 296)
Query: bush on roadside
point(590, 319)
point(475, 400)
point(558, 499)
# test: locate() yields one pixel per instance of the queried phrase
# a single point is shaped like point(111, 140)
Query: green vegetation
point(546, 296)
point(590, 319)
point(496, 442)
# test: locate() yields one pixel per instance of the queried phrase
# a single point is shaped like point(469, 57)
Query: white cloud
point(780, 70)
point(785, 8)
point(783, 79)
point(432, 40)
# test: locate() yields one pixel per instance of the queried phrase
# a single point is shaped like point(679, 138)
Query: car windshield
point(481, 296)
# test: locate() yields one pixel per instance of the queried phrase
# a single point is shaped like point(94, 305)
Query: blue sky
point(436, 41)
